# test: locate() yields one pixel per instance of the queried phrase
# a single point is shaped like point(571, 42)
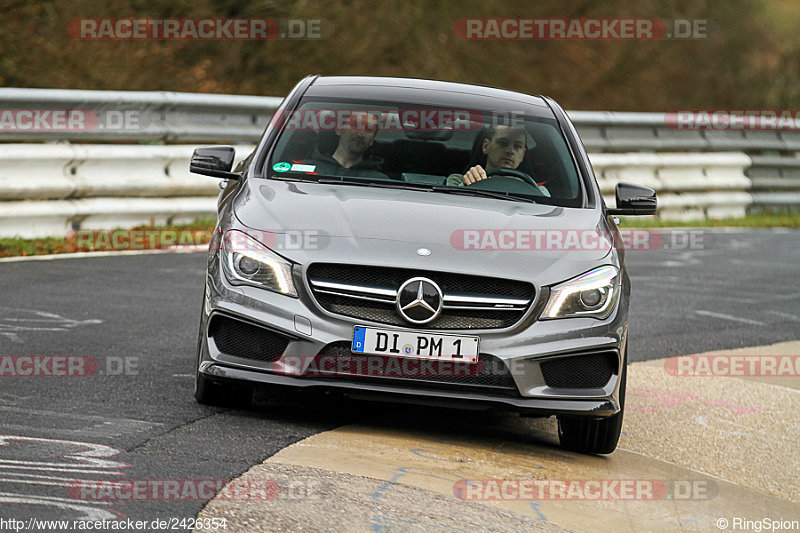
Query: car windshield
point(521, 158)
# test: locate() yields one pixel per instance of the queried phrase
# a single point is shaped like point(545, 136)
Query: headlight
point(246, 261)
point(593, 294)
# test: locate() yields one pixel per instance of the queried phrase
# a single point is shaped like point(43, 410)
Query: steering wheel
point(503, 171)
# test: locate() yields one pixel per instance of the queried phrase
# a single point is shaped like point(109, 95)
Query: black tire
point(589, 435)
point(219, 394)
point(208, 391)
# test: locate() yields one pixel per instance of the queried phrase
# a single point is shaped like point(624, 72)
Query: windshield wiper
point(392, 184)
point(346, 180)
point(481, 192)
point(302, 176)
point(364, 182)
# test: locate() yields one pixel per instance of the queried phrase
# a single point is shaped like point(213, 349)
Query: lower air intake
point(242, 339)
point(589, 371)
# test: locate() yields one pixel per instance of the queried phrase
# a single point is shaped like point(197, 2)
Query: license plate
point(419, 345)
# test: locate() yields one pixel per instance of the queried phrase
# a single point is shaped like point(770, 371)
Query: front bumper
point(527, 406)
point(523, 348)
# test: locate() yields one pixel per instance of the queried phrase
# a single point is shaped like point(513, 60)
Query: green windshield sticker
point(281, 167)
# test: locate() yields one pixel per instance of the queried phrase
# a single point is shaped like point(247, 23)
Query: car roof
point(428, 92)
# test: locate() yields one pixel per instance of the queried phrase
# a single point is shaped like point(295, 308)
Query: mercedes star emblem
point(419, 300)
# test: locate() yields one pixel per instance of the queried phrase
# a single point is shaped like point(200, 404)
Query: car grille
point(491, 374)
point(369, 293)
point(589, 371)
point(241, 339)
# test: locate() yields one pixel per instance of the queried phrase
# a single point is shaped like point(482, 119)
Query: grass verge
point(783, 219)
point(145, 237)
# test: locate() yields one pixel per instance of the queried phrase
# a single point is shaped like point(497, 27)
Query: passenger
point(348, 157)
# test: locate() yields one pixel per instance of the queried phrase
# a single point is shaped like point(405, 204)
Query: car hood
point(312, 222)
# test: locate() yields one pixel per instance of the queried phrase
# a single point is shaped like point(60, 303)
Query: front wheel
point(587, 435)
point(208, 392)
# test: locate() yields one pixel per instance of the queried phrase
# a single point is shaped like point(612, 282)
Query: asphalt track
point(135, 419)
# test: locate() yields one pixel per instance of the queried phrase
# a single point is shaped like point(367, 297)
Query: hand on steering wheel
point(477, 173)
point(503, 171)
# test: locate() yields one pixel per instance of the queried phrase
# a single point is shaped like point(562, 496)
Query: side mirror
point(634, 200)
point(215, 161)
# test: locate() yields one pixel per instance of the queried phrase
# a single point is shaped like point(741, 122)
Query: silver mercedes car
point(420, 241)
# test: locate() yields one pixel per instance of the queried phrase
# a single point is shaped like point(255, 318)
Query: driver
point(504, 146)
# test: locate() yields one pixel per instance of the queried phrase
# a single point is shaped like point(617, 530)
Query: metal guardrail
point(690, 185)
point(113, 116)
point(776, 182)
point(612, 131)
point(173, 117)
point(49, 188)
